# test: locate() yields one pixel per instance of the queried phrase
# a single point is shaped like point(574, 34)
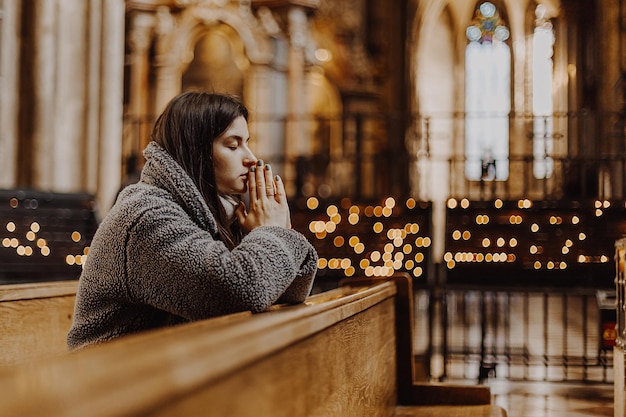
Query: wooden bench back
point(333, 356)
point(338, 354)
point(34, 320)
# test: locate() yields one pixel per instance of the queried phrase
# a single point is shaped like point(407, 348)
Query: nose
point(249, 159)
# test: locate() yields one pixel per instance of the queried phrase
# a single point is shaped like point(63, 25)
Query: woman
point(179, 245)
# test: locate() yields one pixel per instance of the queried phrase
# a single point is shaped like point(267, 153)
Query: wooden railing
point(338, 354)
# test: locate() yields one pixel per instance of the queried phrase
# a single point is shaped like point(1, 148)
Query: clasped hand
point(268, 201)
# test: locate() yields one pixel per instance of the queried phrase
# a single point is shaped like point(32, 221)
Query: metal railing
point(346, 153)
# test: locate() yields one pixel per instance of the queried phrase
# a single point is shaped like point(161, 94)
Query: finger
point(240, 212)
point(280, 189)
point(270, 188)
point(260, 181)
point(252, 183)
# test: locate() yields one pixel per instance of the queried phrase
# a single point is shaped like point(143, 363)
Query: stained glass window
point(543, 121)
point(487, 96)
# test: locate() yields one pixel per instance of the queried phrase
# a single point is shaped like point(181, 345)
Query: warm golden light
point(359, 248)
point(10, 227)
point(452, 203)
point(312, 203)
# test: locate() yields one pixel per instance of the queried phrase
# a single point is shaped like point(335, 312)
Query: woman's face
point(232, 158)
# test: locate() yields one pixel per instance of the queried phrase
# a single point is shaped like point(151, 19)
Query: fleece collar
point(162, 171)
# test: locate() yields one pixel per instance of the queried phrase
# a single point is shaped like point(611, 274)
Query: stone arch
point(175, 44)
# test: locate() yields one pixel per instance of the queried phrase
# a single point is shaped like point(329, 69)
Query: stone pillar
point(69, 97)
point(43, 96)
point(140, 39)
point(9, 52)
point(168, 71)
point(296, 144)
point(111, 111)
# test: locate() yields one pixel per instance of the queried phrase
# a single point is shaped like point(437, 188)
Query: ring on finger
point(270, 191)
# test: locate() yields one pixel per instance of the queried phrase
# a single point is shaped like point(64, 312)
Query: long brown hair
point(186, 130)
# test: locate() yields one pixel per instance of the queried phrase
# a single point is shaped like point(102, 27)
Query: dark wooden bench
point(34, 320)
point(338, 354)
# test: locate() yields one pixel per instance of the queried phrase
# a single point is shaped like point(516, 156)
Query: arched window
point(487, 96)
point(543, 120)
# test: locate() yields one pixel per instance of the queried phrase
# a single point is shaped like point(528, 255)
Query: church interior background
point(479, 146)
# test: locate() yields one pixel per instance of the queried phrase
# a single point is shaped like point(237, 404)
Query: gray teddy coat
point(156, 261)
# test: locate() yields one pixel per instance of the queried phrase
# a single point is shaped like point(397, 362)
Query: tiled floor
point(553, 399)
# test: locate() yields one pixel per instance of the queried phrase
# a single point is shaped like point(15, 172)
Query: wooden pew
point(338, 354)
point(34, 320)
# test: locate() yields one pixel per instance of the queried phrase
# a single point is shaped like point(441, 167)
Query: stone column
point(43, 95)
point(296, 143)
point(9, 71)
point(111, 111)
point(167, 68)
point(140, 39)
point(69, 97)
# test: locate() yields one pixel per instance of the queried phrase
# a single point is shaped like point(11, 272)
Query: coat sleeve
point(176, 266)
